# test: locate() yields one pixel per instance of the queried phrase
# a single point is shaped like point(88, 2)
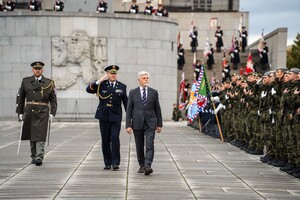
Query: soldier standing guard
point(59, 5)
point(112, 94)
point(102, 7)
point(218, 37)
point(243, 36)
point(33, 5)
point(38, 91)
point(148, 8)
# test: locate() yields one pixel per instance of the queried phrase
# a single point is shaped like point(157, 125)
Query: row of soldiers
point(264, 111)
point(33, 5)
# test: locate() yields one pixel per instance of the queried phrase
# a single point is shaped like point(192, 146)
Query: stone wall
point(134, 43)
point(277, 43)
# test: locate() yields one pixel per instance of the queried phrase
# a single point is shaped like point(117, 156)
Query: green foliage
point(293, 54)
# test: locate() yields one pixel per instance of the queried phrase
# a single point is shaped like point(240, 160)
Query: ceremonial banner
point(213, 22)
point(198, 96)
point(182, 97)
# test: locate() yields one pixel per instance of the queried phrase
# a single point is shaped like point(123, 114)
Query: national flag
point(182, 97)
point(206, 50)
point(241, 24)
point(261, 43)
point(178, 39)
point(198, 96)
point(249, 65)
point(213, 22)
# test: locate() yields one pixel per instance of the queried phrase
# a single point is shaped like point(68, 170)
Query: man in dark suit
point(38, 91)
point(109, 112)
point(143, 116)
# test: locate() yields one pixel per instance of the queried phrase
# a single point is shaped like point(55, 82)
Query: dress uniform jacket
point(35, 4)
point(110, 100)
point(36, 109)
point(102, 7)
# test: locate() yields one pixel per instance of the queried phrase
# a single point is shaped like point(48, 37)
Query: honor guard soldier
point(35, 95)
point(134, 9)
point(102, 7)
point(148, 9)
point(112, 94)
point(10, 6)
point(161, 11)
point(34, 5)
point(1, 7)
point(218, 37)
point(59, 5)
point(243, 36)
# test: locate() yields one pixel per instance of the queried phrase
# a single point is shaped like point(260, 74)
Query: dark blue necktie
point(144, 98)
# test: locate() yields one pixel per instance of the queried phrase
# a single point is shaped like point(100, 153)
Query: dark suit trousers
point(110, 132)
point(140, 136)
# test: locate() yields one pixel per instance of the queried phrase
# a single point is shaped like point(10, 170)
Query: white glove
point(20, 117)
point(215, 99)
point(258, 112)
point(273, 121)
point(224, 107)
point(273, 91)
point(270, 111)
point(51, 117)
point(226, 97)
point(263, 94)
point(264, 51)
point(235, 51)
point(226, 70)
point(220, 106)
point(97, 82)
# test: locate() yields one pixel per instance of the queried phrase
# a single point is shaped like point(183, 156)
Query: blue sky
point(270, 15)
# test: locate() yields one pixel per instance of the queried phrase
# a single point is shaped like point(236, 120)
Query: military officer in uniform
point(34, 5)
point(102, 7)
point(59, 5)
point(35, 95)
point(112, 94)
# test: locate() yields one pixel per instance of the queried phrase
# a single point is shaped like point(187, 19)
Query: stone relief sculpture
point(77, 56)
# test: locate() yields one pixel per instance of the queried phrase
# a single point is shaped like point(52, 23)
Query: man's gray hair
point(143, 73)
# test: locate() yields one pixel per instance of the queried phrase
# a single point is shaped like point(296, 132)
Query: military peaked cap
point(112, 69)
point(37, 64)
point(282, 69)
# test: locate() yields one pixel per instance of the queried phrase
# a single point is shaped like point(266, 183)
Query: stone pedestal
point(48, 4)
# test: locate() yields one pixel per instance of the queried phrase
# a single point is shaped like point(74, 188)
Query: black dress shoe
point(148, 170)
point(107, 167)
point(141, 170)
point(38, 162)
point(257, 152)
point(115, 167)
point(280, 163)
point(266, 158)
point(287, 167)
point(32, 161)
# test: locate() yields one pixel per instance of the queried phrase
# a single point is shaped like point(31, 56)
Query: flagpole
point(214, 107)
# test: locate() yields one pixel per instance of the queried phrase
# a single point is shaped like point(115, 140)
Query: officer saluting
point(38, 91)
point(112, 94)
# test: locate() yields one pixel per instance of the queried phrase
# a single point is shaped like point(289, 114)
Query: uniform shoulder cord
point(99, 95)
point(45, 88)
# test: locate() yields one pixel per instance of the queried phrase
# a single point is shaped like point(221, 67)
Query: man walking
point(143, 117)
point(109, 112)
point(38, 91)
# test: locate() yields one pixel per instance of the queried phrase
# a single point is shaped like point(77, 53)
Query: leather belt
point(37, 103)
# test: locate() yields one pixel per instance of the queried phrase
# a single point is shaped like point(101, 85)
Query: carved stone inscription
point(77, 56)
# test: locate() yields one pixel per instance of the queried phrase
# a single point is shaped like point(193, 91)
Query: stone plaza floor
point(187, 165)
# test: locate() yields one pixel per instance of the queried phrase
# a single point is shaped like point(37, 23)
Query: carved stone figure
point(77, 56)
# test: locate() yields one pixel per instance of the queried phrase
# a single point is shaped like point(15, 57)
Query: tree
point(293, 54)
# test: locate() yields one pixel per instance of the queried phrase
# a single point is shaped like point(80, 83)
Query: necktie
point(112, 85)
point(144, 97)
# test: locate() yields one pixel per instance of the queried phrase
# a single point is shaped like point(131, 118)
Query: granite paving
point(187, 165)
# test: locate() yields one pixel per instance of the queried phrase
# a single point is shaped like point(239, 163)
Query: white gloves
point(263, 94)
point(20, 117)
point(270, 111)
point(273, 91)
point(258, 112)
point(51, 117)
point(220, 106)
point(215, 99)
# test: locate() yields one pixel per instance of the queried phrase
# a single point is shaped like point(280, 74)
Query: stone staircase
point(216, 72)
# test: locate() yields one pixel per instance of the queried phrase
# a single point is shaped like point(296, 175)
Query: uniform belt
point(37, 103)
point(109, 105)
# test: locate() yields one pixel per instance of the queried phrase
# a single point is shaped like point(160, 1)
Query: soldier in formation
point(262, 116)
